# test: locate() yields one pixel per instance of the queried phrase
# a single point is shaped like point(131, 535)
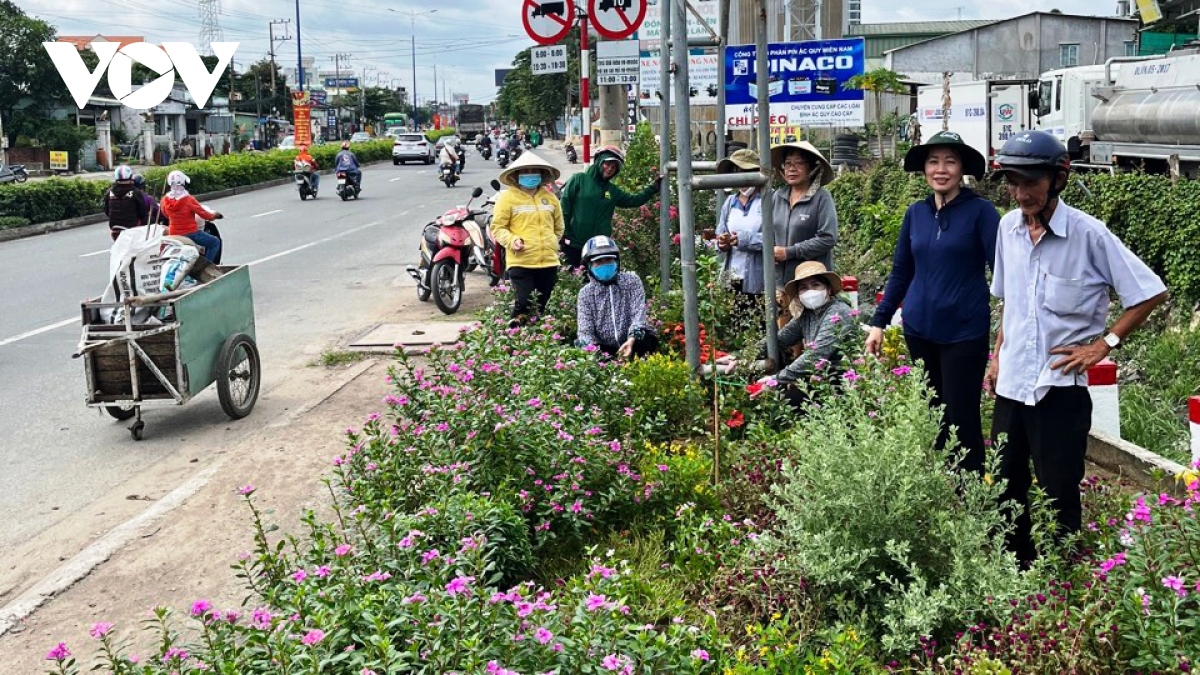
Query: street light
point(412, 15)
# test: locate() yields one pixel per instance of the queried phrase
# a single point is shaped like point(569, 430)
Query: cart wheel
point(120, 413)
point(239, 374)
point(136, 430)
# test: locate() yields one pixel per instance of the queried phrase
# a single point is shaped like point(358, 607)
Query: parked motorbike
point(449, 175)
point(447, 246)
point(346, 187)
point(502, 157)
point(572, 156)
point(304, 184)
point(13, 173)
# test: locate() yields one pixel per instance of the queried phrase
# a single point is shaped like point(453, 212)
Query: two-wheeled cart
point(204, 334)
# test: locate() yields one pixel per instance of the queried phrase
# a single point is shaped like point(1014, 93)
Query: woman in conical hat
point(528, 223)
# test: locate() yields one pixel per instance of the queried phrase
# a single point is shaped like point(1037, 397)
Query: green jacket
point(588, 202)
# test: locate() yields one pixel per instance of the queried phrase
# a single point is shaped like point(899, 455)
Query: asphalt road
point(321, 271)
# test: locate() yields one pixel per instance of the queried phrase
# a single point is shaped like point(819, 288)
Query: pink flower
point(299, 576)
point(313, 636)
point(377, 575)
point(851, 376)
point(834, 318)
point(100, 629)
point(429, 556)
point(59, 653)
point(1175, 584)
point(201, 607)
point(414, 599)
point(459, 585)
point(699, 654)
point(901, 371)
point(322, 572)
point(596, 602)
point(1140, 511)
point(543, 636)
point(342, 550)
point(247, 489)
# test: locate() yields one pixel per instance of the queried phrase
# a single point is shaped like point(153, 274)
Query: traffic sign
point(617, 62)
point(548, 21)
point(616, 19)
point(548, 60)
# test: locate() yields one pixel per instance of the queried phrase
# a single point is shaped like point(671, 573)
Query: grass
point(1161, 369)
point(332, 358)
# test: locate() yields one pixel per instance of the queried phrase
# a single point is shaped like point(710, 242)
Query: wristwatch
point(1112, 340)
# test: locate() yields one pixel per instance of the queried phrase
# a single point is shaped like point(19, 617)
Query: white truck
point(986, 113)
point(1128, 113)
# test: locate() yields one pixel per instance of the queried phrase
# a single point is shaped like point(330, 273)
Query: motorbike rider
point(347, 161)
point(462, 154)
point(589, 199)
point(449, 155)
point(484, 145)
point(123, 203)
point(181, 209)
point(154, 213)
point(306, 165)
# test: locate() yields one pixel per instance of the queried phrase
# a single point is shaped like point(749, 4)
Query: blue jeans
point(212, 245)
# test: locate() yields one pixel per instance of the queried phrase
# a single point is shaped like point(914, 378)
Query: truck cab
point(1063, 104)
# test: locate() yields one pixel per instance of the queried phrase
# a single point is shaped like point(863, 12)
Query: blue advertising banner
point(807, 84)
point(343, 83)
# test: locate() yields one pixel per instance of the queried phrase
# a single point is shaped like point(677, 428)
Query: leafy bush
point(880, 531)
point(10, 222)
point(667, 401)
point(1162, 370)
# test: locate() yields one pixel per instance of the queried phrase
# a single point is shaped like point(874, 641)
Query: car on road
point(361, 137)
point(412, 147)
point(288, 143)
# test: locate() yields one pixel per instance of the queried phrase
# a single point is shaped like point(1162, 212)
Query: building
point(1022, 47)
point(883, 37)
point(853, 13)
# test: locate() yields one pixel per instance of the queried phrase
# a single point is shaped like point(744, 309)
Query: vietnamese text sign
point(302, 119)
point(617, 62)
point(317, 98)
point(651, 31)
point(702, 76)
point(341, 83)
point(548, 60)
point(58, 160)
point(807, 84)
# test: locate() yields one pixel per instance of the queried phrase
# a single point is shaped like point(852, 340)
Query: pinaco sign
point(118, 61)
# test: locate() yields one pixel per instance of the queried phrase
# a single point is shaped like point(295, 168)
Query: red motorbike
point(448, 247)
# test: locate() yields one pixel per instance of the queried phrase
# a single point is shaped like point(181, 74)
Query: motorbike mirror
point(495, 185)
point(476, 192)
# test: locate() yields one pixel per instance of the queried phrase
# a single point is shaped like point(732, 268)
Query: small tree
point(878, 82)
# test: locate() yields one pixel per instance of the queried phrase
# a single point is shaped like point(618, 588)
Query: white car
point(412, 147)
point(288, 143)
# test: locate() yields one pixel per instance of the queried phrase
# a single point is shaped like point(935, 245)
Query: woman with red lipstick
point(947, 242)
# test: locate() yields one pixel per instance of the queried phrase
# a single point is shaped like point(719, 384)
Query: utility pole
point(271, 33)
point(337, 80)
point(436, 108)
point(362, 98)
point(299, 58)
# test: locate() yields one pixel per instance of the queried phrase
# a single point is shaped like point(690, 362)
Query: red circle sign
point(617, 19)
point(548, 21)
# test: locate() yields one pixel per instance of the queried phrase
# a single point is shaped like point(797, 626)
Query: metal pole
point(764, 150)
point(722, 39)
point(683, 147)
point(416, 115)
point(585, 94)
point(299, 58)
point(664, 148)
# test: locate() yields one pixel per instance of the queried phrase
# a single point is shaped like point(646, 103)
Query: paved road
point(321, 271)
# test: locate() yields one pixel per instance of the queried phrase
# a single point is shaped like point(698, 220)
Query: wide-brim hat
point(778, 152)
point(525, 162)
point(741, 160)
point(973, 162)
point(813, 268)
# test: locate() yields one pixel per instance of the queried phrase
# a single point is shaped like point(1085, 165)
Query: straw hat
point(525, 162)
point(778, 152)
point(813, 268)
point(741, 160)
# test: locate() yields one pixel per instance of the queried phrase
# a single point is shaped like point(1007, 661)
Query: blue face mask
point(529, 181)
point(605, 272)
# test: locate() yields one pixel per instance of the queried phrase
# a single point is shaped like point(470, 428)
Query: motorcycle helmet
point(599, 251)
point(139, 181)
point(178, 177)
point(1036, 154)
point(123, 173)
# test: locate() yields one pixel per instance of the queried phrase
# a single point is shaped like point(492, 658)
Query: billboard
point(702, 76)
point(502, 73)
point(807, 84)
point(341, 83)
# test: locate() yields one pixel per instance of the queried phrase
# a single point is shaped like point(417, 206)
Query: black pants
point(526, 281)
point(647, 344)
point(573, 256)
point(1054, 434)
point(955, 373)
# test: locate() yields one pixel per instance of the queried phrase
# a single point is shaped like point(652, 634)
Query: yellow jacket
point(536, 219)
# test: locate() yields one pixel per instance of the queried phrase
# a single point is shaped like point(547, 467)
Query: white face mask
point(814, 299)
point(747, 191)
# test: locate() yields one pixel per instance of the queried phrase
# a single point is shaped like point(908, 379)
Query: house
point(880, 38)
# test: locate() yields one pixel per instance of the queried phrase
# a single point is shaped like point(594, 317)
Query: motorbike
point(448, 174)
point(346, 187)
point(502, 157)
point(13, 173)
point(572, 156)
point(485, 152)
point(462, 157)
point(447, 247)
point(304, 184)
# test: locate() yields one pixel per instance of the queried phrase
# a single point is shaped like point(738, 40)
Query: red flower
point(754, 389)
point(736, 419)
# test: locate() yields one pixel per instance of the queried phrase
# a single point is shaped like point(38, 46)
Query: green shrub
point(10, 222)
point(1162, 369)
point(667, 400)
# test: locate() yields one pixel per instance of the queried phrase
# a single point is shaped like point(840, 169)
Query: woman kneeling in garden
point(826, 328)
point(612, 306)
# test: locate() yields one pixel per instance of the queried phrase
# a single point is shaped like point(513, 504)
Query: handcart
point(204, 334)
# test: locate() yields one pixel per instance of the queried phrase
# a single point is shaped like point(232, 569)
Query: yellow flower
point(1188, 475)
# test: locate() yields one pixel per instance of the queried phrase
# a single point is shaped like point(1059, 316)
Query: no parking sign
point(616, 19)
point(548, 21)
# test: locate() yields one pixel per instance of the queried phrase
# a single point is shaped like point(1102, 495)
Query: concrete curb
point(1148, 470)
point(16, 233)
point(82, 564)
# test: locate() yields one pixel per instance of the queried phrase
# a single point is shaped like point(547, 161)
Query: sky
point(466, 39)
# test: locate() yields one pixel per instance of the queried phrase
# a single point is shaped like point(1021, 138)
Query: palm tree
point(878, 82)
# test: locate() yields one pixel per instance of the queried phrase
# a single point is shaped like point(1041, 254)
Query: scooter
point(446, 249)
point(486, 152)
point(462, 157)
point(304, 185)
point(13, 173)
point(346, 187)
point(502, 157)
point(449, 175)
point(572, 156)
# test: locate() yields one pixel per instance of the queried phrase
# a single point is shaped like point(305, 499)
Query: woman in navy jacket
point(946, 243)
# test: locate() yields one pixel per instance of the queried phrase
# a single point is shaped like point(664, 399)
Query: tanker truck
point(1128, 113)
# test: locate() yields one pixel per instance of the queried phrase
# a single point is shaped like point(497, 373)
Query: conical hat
point(526, 161)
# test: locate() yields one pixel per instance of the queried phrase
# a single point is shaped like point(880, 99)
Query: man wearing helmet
point(611, 308)
point(589, 199)
point(348, 162)
point(123, 203)
point(1054, 268)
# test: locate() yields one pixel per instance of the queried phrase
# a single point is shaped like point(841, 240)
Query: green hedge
point(60, 199)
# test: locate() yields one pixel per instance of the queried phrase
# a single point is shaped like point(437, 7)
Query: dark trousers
point(573, 256)
point(647, 344)
point(526, 282)
point(955, 372)
point(1054, 434)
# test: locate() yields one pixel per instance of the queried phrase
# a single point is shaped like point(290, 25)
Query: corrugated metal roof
point(915, 28)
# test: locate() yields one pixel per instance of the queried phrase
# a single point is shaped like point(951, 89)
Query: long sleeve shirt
point(826, 333)
point(182, 212)
point(808, 230)
point(608, 313)
point(589, 201)
point(745, 221)
point(938, 270)
point(536, 220)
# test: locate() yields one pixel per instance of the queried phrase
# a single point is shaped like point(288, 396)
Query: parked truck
point(1128, 113)
point(986, 113)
